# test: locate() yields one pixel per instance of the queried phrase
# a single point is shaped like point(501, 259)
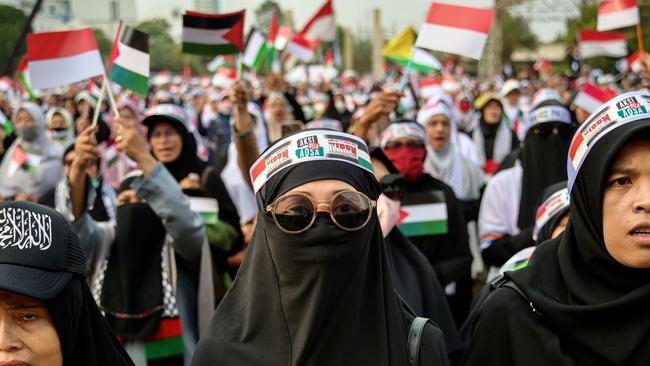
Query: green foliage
point(12, 21)
point(362, 54)
point(515, 34)
point(587, 20)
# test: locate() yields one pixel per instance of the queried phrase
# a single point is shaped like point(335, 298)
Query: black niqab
point(324, 297)
point(135, 254)
point(597, 306)
point(84, 335)
point(543, 160)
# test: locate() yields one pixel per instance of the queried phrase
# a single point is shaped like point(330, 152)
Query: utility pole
point(377, 45)
point(9, 68)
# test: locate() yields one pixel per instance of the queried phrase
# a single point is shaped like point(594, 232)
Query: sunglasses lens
point(294, 213)
point(350, 210)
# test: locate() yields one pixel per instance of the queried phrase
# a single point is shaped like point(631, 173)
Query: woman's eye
point(29, 317)
point(622, 181)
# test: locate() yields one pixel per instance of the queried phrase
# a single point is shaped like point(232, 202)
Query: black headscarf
point(187, 162)
point(324, 297)
point(597, 306)
point(543, 160)
point(546, 231)
point(84, 335)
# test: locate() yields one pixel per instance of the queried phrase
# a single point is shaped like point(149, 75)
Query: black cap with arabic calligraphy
point(39, 250)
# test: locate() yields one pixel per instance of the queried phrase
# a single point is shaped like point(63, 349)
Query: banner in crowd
point(213, 34)
point(613, 14)
point(60, 58)
point(593, 43)
point(456, 29)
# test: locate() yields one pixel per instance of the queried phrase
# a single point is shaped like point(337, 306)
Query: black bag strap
point(415, 336)
point(504, 281)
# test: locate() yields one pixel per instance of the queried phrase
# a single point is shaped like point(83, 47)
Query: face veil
point(324, 297)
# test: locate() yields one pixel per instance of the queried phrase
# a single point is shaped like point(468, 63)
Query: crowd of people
point(338, 222)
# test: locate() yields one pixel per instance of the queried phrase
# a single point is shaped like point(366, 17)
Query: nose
point(642, 199)
point(9, 340)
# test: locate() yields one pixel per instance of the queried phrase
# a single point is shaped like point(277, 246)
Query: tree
point(515, 34)
point(164, 53)
point(362, 54)
point(263, 15)
point(12, 21)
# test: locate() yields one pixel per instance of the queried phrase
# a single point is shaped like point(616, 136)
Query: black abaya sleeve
point(507, 333)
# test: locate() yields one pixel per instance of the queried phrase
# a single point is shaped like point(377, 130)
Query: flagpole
point(240, 60)
point(111, 97)
point(639, 36)
point(407, 71)
point(102, 90)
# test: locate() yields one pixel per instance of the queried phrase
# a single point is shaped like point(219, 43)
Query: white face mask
point(388, 212)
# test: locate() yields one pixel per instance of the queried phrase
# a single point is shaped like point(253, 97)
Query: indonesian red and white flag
point(302, 48)
point(282, 38)
point(59, 58)
point(592, 43)
point(321, 25)
point(613, 14)
point(456, 29)
point(634, 62)
point(430, 86)
point(591, 97)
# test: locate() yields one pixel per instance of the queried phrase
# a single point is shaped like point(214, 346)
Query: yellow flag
point(399, 48)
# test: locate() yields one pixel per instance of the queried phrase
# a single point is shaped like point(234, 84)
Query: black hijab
point(84, 335)
point(187, 162)
point(597, 306)
point(324, 297)
point(543, 160)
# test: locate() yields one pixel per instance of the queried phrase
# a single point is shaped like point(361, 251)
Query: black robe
point(448, 253)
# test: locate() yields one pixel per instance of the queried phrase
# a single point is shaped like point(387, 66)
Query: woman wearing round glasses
point(315, 288)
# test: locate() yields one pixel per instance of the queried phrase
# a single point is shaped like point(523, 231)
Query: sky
point(357, 14)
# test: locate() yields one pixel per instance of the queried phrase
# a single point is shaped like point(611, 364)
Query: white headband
point(310, 146)
point(623, 109)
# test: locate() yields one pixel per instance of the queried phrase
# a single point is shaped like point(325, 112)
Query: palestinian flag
point(23, 76)
point(256, 50)
point(23, 159)
point(129, 62)
point(220, 61)
point(213, 34)
point(423, 213)
point(207, 208)
point(5, 125)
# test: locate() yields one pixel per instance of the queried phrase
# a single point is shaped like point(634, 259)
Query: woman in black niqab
point(84, 335)
point(324, 297)
point(594, 310)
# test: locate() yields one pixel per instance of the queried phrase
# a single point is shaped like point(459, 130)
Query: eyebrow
point(622, 170)
point(333, 193)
